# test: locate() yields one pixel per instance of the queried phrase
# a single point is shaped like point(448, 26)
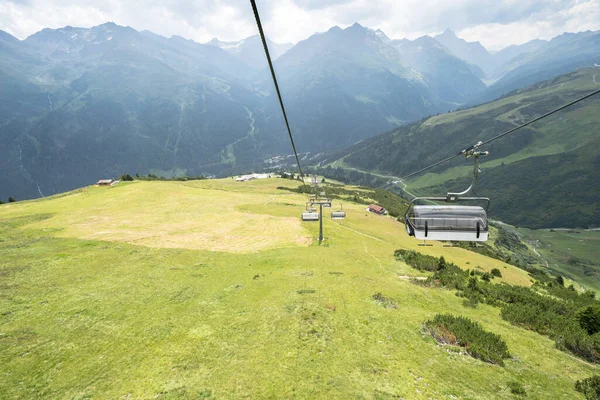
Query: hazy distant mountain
point(510, 57)
point(449, 77)
point(472, 52)
point(101, 101)
point(251, 51)
point(564, 53)
point(351, 81)
point(7, 39)
point(379, 33)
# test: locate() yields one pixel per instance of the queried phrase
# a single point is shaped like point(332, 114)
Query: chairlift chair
point(310, 216)
point(339, 214)
point(450, 222)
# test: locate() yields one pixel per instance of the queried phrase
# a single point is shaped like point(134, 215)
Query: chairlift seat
point(447, 223)
point(310, 216)
point(338, 215)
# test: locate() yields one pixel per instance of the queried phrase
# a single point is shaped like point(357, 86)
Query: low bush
point(418, 261)
point(589, 319)
point(516, 388)
point(496, 272)
point(590, 387)
point(470, 302)
point(152, 177)
point(461, 331)
point(578, 342)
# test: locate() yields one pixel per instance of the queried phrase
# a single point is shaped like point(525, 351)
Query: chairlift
point(310, 216)
point(310, 207)
point(339, 214)
point(450, 222)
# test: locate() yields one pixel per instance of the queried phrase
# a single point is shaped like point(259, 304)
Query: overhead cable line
point(479, 144)
point(264, 42)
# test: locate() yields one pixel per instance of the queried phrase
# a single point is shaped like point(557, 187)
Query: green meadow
point(216, 289)
point(572, 253)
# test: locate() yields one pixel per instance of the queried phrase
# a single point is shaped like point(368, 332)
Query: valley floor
point(215, 289)
point(572, 253)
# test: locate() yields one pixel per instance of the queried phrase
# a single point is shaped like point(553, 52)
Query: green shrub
point(560, 280)
point(417, 260)
point(11, 200)
point(470, 302)
point(473, 284)
point(590, 387)
point(461, 331)
point(516, 388)
point(577, 341)
point(452, 277)
point(126, 177)
point(496, 272)
point(589, 319)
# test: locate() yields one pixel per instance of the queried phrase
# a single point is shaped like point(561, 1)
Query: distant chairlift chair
point(310, 214)
point(339, 214)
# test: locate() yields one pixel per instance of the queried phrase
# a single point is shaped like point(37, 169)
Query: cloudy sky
point(495, 23)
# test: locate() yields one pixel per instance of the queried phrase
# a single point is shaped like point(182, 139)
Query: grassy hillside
point(215, 289)
point(516, 174)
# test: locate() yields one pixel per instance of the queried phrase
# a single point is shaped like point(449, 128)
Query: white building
point(244, 178)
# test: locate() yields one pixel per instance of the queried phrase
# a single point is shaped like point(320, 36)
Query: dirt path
point(375, 258)
point(540, 256)
point(269, 201)
point(360, 233)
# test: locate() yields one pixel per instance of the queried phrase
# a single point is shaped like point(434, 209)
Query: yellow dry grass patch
point(174, 215)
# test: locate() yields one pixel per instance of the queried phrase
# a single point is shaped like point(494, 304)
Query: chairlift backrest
point(338, 215)
point(310, 216)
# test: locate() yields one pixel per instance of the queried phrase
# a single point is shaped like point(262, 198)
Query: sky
point(494, 23)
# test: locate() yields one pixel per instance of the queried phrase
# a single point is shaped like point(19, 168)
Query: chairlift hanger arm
point(476, 170)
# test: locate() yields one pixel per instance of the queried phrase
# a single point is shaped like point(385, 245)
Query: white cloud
point(494, 23)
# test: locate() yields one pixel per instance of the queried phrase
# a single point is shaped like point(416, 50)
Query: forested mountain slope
point(545, 175)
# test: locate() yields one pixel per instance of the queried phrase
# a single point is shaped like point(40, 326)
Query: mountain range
point(82, 104)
